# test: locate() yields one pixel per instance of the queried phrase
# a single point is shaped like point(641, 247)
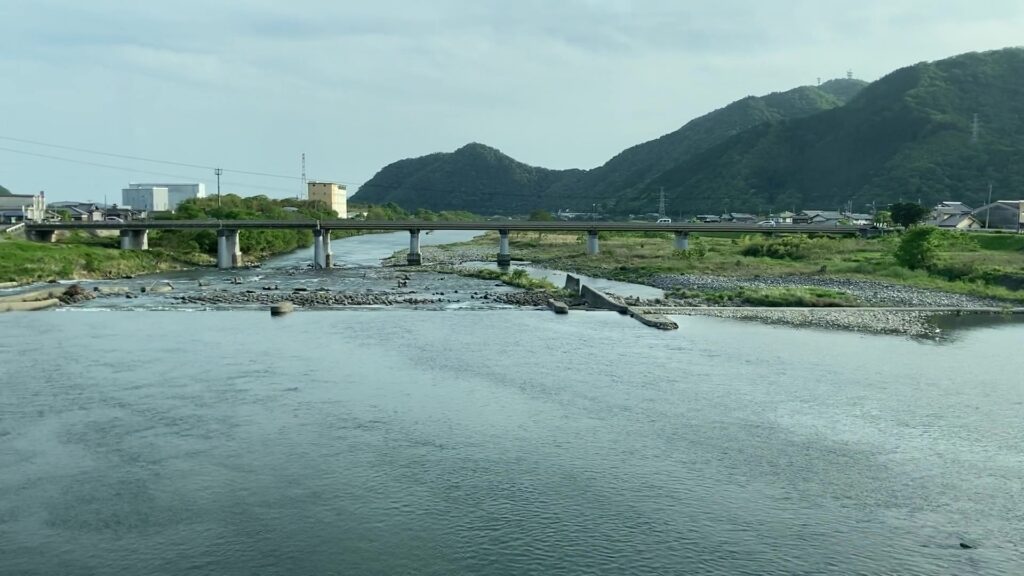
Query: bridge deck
point(511, 225)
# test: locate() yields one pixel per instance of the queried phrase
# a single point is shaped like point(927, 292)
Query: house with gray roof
point(1001, 215)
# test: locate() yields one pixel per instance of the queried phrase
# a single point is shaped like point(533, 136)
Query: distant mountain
point(475, 177)
point(909, 135)
point(632, 170)
point(4, 191)
point(483, 180)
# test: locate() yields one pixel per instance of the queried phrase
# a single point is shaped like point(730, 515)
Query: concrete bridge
point(135, 234)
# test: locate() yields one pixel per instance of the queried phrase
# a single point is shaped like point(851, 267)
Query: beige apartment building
point(335, 196)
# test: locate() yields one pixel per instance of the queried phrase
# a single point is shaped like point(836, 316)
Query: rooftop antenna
point(974, 130)
point(303, 191)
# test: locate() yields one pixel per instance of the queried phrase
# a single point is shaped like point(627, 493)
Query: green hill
point(4, 191)
point(473, 177)
point(631, 171)
point(908, 135)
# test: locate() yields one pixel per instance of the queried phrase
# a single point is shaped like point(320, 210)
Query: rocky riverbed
point(446, 256)
point(869, 292)
point(877, 321)
point(305, 299)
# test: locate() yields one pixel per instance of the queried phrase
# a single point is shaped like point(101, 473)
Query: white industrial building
point(166, 195)
point(148, 198)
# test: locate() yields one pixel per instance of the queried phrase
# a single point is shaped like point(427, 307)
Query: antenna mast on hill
point(661, 204)
point(302, 192)
point(849, 74)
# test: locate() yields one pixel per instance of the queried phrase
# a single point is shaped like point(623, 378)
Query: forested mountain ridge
point(482, 179)
point(909, 135)
point(631, 170)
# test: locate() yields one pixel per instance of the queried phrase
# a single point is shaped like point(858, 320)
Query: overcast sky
point(251, 85)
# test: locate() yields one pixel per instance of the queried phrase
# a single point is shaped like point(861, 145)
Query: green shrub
point(786, 248)
point(918, 248)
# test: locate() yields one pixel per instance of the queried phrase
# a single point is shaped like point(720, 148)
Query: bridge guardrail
point(511, 225)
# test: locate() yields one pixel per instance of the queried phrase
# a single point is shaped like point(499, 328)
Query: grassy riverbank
point(25, 262)
point(981, 265)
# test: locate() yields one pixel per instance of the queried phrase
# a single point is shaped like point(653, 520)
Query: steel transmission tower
point(218, 172)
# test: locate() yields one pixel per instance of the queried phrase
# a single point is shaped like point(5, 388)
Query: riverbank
point(717, 265)
point(813, 299)
point(24, 262)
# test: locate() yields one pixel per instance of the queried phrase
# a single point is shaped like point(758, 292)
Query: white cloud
point(359, 85)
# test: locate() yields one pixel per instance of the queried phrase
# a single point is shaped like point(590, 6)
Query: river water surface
point(404, 441)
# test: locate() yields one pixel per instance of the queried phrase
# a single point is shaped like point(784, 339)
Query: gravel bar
point(871, 292)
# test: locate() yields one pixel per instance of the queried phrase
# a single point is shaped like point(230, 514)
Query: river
point(409, 441)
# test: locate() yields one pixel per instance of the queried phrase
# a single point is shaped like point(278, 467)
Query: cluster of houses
point(139, 201)
point(1000, 215)
point(819, 217)
point(34, 208)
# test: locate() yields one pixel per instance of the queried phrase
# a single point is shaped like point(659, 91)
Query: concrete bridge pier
point(318, 248)
point(328, 253)
point(682, 240)
point(414, 258)
point(592, 245)
point(134, 239)
point(229, 250)
point(504, 256)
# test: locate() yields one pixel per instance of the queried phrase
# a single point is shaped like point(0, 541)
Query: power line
point(136, 170)
point(111, 154)
point(154, 160)
point(524, 194)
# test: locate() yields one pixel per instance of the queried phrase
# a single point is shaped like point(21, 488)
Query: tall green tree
point(907, 214)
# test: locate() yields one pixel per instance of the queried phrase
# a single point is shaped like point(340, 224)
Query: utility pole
point(988, 207)
point(218, 172)
point(304, 187)
point(974, 130)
